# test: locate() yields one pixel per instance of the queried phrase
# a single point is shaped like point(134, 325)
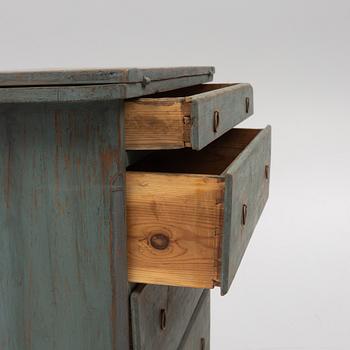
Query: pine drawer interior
point(176, 213)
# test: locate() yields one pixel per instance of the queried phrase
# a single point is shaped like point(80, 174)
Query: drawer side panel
point(155, 124)
point(183, 213)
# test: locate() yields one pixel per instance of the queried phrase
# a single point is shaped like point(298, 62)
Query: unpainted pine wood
point(178, 193)
point(197, 335)
point(148, 303)
point(156, 124)
point(63, 268)
point(186, 209)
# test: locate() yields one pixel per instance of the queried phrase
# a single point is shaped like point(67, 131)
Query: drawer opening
point(190, 90)
point(211, 160)
point(179, 203)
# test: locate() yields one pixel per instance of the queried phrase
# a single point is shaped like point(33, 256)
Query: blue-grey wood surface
point(229, 102)
point(245, 184)
point(28, 87)
point(93, 92)
point(197, 335)
point(147, 302)
point(98, 76)
point(63, 272)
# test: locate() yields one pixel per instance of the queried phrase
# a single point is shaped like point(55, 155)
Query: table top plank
point(95, 92)
point(97, 76)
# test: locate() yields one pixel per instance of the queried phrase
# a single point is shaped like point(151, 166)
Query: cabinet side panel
point(63, 281)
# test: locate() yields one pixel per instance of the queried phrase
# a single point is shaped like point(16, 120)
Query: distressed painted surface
point(197, 335)
point(229, 101)
point(88, 90)
point(93, 92)
point(245, 184)
point(63, 274)
point(98, 76)
point(147, 301)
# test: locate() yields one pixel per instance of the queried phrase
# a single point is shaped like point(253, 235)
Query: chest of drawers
point(126, 195)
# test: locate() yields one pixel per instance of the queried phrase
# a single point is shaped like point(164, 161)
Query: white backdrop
point(292, 291)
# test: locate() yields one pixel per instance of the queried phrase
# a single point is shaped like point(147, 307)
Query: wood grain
point(184, 117)
point(178, 193)
point(188, 210)
point(156, 124)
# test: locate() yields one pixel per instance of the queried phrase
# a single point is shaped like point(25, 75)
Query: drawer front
point(246, 192)
point(197, 336)
point(215, 112)
point(191, 117)
point(190, 214)
point(160, 315)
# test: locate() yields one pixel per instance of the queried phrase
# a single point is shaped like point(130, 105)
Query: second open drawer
point(190, 214)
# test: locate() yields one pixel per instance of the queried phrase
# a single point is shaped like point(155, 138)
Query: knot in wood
point(159, 241)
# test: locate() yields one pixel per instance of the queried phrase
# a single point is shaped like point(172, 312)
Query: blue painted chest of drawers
point(93, 254)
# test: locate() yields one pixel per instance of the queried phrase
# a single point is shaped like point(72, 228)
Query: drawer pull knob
point(247, 104)
point(216, 121)
point(146, 80)
point(162, 319)
point(202, 343)
point(244, 214)
point(267, 172)
point(159, 241)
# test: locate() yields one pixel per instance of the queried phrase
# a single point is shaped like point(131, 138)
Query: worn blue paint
point(63, 280)
point(197, 335)
point(229, 101)
point(146, 303)
point(98, 75)
point(245, 184)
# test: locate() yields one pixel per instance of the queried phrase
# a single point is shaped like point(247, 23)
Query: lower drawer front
point(190, 214)
point(197, 336)
point(160, 315)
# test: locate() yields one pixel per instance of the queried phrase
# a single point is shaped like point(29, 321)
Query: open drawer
point(190, 117)
point(190, 214)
